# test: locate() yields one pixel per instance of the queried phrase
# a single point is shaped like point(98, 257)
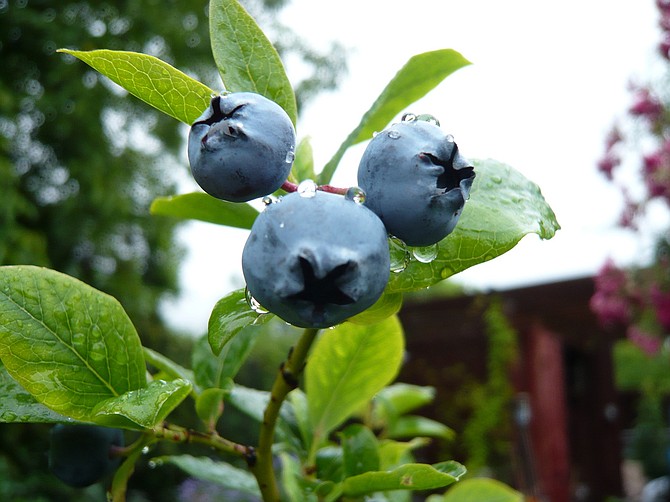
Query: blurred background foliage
point(80, 163)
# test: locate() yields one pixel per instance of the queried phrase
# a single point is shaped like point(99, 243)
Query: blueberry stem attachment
point(285, 381)
point(289, 187)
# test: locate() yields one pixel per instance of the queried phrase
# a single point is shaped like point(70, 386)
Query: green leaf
point(153, 81)
point(401, 398)
point(68, 344)
point(17, 405)
point(405, 477)
point(215, 371)
point(142, 408)
point(421, 74)
point(209, 405)
point(360, 450)
point(392, 453)
point(303, 165)
point(203, 207)
point(388, 304)
point(230, 315)
point(246, 59)
point(296, 486)
point(221, 473)
point(415, 426)
point(167, 365)
point(504, 207)
point(482, 490)
point(348, 366)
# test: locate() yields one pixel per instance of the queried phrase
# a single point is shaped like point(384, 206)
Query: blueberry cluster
point(315, 258)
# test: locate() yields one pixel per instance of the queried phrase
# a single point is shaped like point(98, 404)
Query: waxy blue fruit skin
point(80, 455)
point(241, 147)
point(416, 181)
point(316, 261)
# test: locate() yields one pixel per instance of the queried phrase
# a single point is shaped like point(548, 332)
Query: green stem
point(178, 434)
point(285, 382)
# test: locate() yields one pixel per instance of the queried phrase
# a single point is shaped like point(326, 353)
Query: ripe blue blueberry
point(316, 259)
point(241, 147)
point(80, 455)
point(416, 181)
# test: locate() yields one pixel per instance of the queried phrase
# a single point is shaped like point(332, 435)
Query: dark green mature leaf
point(405, 477)
point(504, 206)
point(68, 344)
point(421, 74)
point(349, 364)
point(142, 408)
point(231, 314)
point(18, 405)
point(203, 207)
point(360, 450)
point(210, 470)
point(246, 59)
point(153, 81)
point(482, 490)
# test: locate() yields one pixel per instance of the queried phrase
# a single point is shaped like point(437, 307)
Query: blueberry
point(80, 455)
point(316, 259)
point(416, 181)
point(241, 147)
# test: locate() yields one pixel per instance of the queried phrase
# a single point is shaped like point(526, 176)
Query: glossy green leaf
point(203, 207)
point(167, 365)
point(68, 344)
point(221, 473)
point(153, 81)
point(209, 405)
point(230, 315)
point(18, 405)
point(421, 74)
point(303, 165)
point(348, 366)
point(142, 408)
point(246, 59)
point(214, 371)
point(395, 453)
point(388, 304)
point(482, 490)
point(405, 477)
point(401, 398)
point(410, 426)
point(360, 450)
point(504, 207)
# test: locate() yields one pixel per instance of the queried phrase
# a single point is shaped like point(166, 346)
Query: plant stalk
point(285, 382)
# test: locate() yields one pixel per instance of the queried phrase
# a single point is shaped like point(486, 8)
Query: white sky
point(547, 81)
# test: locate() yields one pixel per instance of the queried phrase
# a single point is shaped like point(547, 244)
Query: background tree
point(80, 162)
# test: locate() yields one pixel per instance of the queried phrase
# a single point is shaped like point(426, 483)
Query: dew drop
point(393, 134)
point(290, 156)
point(152, 464)
point(408, 117)
point(269, 200)
point(427, 117)
point(145, 450)
point(399, 255)
point(446, 272)
point(425, 254)
point(356, 194)
point(307, 189)
point(496, 179)
point(254, 304)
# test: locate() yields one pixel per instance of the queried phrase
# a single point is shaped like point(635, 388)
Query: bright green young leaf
point(410, 426)
point(388, 304)
point(246, 59)
point(348, 366)
point(221, 473)
point(360, 450)
point(231, 314)
point(142, 408)
point(395, 453)
point(401, 398)
point(303, 165)
point(421, 74)
point(153, 81)
point(482, 490)
point(405, 477)
point(17, 405)
point(66, 343)
point(203, 207)
point(504, 206)
point(215, 371)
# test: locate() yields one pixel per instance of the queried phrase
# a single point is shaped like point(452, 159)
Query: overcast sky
point(547, 81)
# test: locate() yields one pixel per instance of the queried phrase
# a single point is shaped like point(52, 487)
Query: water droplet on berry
point(393, 134)
point(427, 117)
point(408, 117)
point(449, 138)
point(399, 255)
point(254, 304)
point(307, 189)
point(356, 194)
point(290, 156)
point(375, 133)
point(269, 199)
point(425, 254)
